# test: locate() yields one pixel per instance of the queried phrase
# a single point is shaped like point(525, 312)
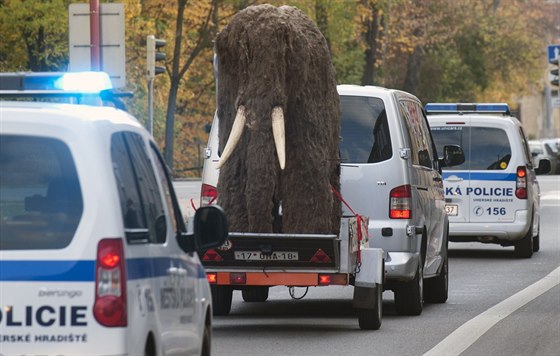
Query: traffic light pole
point(151, 105)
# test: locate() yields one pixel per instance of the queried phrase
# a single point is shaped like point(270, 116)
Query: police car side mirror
point(210, 230)
point(544, 167)
point(453, 155)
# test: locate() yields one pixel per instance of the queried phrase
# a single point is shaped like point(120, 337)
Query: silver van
point(390, 173)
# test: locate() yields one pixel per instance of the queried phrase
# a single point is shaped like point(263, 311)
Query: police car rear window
point(364, 130)
point(40, 196)
point(485, 148)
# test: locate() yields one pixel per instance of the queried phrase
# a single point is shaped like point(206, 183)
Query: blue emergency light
point(91, 88)
point(77, 82)
point(486, 108)
point(85, 82)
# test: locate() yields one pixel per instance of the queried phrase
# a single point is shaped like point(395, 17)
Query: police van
point(94, 255)
point(493, 197)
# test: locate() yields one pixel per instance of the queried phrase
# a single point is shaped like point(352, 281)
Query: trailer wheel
point(370, 319)
point(221, 299)
point(409, 296)
point(255, 294)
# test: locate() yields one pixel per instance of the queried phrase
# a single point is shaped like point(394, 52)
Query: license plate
point(452, 209)
point(259, 256)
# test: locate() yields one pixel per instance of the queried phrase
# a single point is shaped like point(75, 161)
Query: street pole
point(151, 105)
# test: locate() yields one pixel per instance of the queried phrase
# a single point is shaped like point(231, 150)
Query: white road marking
point(466, 335)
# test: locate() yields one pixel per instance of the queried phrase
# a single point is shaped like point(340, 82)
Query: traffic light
point(153, 55)
point(554, 72)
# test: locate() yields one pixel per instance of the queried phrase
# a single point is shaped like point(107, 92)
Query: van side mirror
point(453, 155)
point(210, 230)
point(544, 167)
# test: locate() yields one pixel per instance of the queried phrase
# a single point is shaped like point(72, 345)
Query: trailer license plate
point(259, 256)
point(452, 209)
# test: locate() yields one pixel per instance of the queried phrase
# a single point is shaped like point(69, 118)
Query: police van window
point(41, 202)
point(490, 149)
point(526, 151)
point(131, 205)
point(453, 135)
point(365, 135)
point(142, 200)
point(161, 170)
point(416, 130)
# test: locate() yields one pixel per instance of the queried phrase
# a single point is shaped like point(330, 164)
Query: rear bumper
point(401, 266)
point(491, 231)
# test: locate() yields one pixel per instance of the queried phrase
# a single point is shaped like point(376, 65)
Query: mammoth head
point(278, 132)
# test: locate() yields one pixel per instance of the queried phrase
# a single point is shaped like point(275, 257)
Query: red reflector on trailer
point(212, 255)
point(212, 277)
point(320, 257)
point(324, 279)
point(238, 278)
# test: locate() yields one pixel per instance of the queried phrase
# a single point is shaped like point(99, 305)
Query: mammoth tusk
point(279, 135)
point(234, 135)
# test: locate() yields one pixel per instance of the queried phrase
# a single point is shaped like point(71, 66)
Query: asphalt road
point(498, 305)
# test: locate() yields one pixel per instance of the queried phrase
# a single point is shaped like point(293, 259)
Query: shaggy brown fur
point(275, 56)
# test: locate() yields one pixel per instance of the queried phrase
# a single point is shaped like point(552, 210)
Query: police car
point(493, 197)
point(94, 255)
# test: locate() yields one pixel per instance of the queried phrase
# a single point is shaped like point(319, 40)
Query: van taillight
point(109, 307)
point(521, 183)
point(208, 195)
point(400, 201)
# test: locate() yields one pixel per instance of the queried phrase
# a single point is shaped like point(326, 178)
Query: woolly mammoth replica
point(279, 124)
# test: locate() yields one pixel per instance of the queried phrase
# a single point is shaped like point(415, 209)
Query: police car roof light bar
point(487, 108)
point(60, 84)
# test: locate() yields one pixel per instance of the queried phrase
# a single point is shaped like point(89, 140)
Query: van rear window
point(40, 196)
point(485, 148)
point(365, 135)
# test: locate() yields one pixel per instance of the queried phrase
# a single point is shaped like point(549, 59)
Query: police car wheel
point(536, 243)
point(207, 341)
point(524, 247)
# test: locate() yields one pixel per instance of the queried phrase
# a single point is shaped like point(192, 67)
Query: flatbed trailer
point(253, 262)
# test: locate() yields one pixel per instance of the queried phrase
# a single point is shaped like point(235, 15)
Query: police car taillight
point(400, 202)
point(110, 284)
point(521, 183)
point(208, 195)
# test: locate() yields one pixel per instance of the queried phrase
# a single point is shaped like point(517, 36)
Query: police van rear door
point(492, 162)
point(456, 179)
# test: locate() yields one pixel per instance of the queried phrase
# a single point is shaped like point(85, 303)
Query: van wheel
point(524, 247)
point(150, 348)
point(255, 294)
point(221, 299)
point(436, 289)
point(409, 296)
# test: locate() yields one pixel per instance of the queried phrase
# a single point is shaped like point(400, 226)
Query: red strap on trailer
point(360, 222)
